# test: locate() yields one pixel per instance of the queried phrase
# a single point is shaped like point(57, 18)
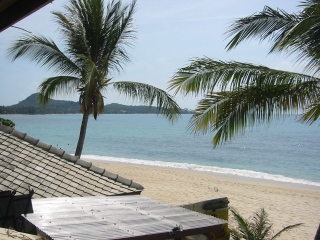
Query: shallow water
point(285, 151)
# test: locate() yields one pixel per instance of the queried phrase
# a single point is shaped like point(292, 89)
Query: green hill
point(30, 106)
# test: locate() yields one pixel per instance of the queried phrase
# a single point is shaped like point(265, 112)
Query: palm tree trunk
point(82, 135)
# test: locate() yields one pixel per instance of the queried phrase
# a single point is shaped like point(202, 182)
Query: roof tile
point(83, 163)
point(5, 129)
point(53, 186)
point(97, 170)
point(31, 140)
point(56, 151)
point(4, 175)
point(43, 146)
point(18, 134)
point(69, 157)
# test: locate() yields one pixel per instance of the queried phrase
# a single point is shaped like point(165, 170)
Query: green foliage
point(7, 122)
point(290, 33)
point(258, 227)
point(150, 95)
point(241, 95)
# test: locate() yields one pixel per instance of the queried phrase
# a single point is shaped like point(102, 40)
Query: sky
point(169, 34)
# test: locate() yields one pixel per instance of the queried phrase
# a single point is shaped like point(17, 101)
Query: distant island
point(31, 106)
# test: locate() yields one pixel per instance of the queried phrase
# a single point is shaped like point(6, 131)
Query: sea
point(283, 151)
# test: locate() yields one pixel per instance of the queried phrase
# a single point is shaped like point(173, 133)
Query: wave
point(212, 169)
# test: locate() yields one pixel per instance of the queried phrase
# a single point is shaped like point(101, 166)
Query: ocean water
point(284, 151)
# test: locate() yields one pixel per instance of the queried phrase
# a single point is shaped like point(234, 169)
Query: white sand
point(286, 204)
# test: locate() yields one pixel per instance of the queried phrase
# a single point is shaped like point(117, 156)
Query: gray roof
point(51, 172)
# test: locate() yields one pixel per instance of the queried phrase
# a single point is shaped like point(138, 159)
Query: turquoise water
point(285, 151)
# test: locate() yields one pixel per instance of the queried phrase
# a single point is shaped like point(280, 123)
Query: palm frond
point(73, 35)
point(56, 85)
point(101, 35)
point(243, 230)
point(303, 41)
point(228, 114)
point(269, 23)
point(118, 33)
point(260, 225)
point(312, 114)
point(203, 75)
point(257, 227)
point(43, 51)
point(295, 34)
point(287, 228)
point(88, 18)
point(235, 235)
point(150, 95)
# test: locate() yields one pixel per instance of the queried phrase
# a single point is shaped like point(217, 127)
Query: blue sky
point(169, 34)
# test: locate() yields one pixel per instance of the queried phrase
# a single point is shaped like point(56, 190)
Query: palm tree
point(250, 94)
point(95, 42)
point(259, 228)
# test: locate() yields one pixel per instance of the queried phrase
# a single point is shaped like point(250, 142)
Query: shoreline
point(286, 204)
point(301, 183)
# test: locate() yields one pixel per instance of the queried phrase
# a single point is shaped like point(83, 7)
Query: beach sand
point(285, 204)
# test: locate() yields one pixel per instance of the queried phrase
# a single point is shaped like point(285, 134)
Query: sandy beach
point(286, 204)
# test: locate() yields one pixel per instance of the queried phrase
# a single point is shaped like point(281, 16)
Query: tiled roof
point(26, 162)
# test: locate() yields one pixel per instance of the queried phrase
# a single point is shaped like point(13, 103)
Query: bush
point(258, 227)
point(7, 122)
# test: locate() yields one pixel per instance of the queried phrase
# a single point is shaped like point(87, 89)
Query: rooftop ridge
point(68, 157)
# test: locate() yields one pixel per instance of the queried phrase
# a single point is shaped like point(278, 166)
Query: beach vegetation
point(241, 95)
point(257, 227)
point(7, 122)
point(95, 39)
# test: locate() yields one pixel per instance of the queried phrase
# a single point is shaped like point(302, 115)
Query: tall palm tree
point(256, 228)
point(249, 94)
point(95, 41)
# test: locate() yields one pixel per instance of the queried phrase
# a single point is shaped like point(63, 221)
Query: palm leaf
point(74, 37)
point(260, 225)
point(257, 227)
point(302, 41)
point(312, 114)
point(118, 33)
point(205, 75)
point(43, 51)
point(56, 85)
point(235, 235)
point(304, 37)
point(250, 95)
point(287, 228)
point(296, 34)
point(228, 114)
point(150, 95)
point(243, 230)
point(269, 23)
